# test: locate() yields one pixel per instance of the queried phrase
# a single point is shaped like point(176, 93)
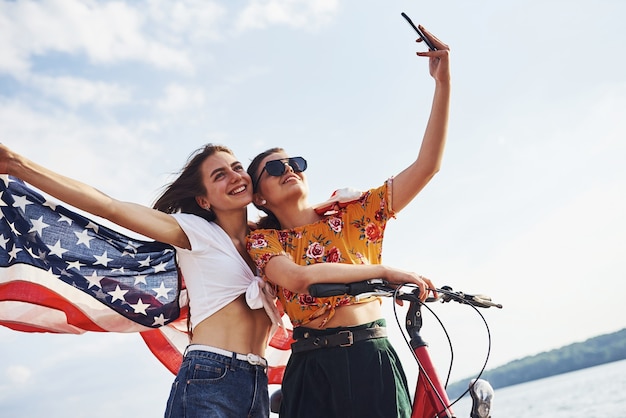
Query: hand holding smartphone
point(420, 33)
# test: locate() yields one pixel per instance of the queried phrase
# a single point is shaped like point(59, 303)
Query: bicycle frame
point(431, 399)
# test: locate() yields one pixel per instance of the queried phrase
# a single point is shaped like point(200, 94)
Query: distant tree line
point(592, 352)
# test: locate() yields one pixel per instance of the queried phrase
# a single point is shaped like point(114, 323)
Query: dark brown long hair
point(270, 221)
point(180, 195)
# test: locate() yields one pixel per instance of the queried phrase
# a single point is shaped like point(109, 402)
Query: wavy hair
point(180, 195)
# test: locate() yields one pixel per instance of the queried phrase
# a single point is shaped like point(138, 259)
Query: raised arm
point(412, 180)
point(141, 219)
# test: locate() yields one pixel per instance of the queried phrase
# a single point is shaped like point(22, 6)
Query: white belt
point(250, 358)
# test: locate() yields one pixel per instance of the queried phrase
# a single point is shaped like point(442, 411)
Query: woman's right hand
point(399, 277)
point(439, 64)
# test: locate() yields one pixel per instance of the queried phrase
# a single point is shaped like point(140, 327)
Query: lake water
point(596, 392)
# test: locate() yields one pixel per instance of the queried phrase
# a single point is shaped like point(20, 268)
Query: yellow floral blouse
point(354, 235)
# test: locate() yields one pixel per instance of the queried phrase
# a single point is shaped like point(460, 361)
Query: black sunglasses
point(277, 167)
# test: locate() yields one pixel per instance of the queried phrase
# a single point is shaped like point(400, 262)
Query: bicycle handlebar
point(380, 287)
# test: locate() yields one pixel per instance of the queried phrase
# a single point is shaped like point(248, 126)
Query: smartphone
point(420, 33)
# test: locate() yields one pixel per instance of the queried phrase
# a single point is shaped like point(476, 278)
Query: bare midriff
point(351, 315)
point(235, 328)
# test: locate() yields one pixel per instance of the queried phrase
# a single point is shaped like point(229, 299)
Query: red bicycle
point(431, 399)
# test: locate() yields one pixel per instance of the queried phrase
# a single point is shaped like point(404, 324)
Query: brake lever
point(481, 301)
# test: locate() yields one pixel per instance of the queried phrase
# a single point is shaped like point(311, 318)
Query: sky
point(529, 206)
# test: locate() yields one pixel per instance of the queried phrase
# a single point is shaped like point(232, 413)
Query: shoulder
point(375, 196)
point(189, 218)
point(373, 204)
point(194, 225)
point(260, 237)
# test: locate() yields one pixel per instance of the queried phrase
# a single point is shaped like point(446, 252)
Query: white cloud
point(248, 74)
point(105, 32)
point(105, 154)
point(78, 92)
point(13, 377)
point(178, 98)
point(18, 374)
point(259, 14)
point(193, 20)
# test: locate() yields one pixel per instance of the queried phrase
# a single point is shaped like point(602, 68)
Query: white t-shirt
point(214, 272)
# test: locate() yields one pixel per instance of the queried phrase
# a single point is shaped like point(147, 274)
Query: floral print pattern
point(354, 235)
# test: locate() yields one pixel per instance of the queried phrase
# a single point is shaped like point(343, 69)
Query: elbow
point(289, 275)
point(429, 174)
point(301, 278)
point(301, 282)
point(434, 168)
point(110, 211)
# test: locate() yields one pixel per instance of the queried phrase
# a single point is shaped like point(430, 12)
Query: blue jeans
point(216, 386)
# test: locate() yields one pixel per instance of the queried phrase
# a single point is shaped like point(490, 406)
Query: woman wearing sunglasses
point(342, 363)
point(203, 214)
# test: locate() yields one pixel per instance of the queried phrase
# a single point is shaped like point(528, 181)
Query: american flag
point(61, 272)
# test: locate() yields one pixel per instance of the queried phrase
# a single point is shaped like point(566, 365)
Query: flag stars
point(145, 263)
point(118, 294)
point(94, 280)
point(13, 253)
point(83, 238)
point(3, 241)
point(74, 265)
point(159, 321)
point(160, 267)
point(140, 307)
point(51, 204)
point(140, 279)
point(38, 225)
point(64, 272)
point(31, 251)
point(21, 202)
point(162, 291)
point(93, 226)
point(132, 247)
point(14, 229)
point(101, 264)
point(127, 253)
point(57, 250)
point(5, 179)
point(41, 255)
point(103, 259)
point(63, 218)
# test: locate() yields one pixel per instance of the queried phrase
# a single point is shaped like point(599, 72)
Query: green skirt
point(365, 379)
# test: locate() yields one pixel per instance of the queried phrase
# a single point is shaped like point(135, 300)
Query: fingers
point(426, 286)
point(435, 41)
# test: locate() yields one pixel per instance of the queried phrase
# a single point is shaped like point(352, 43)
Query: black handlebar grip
point(323, 290)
